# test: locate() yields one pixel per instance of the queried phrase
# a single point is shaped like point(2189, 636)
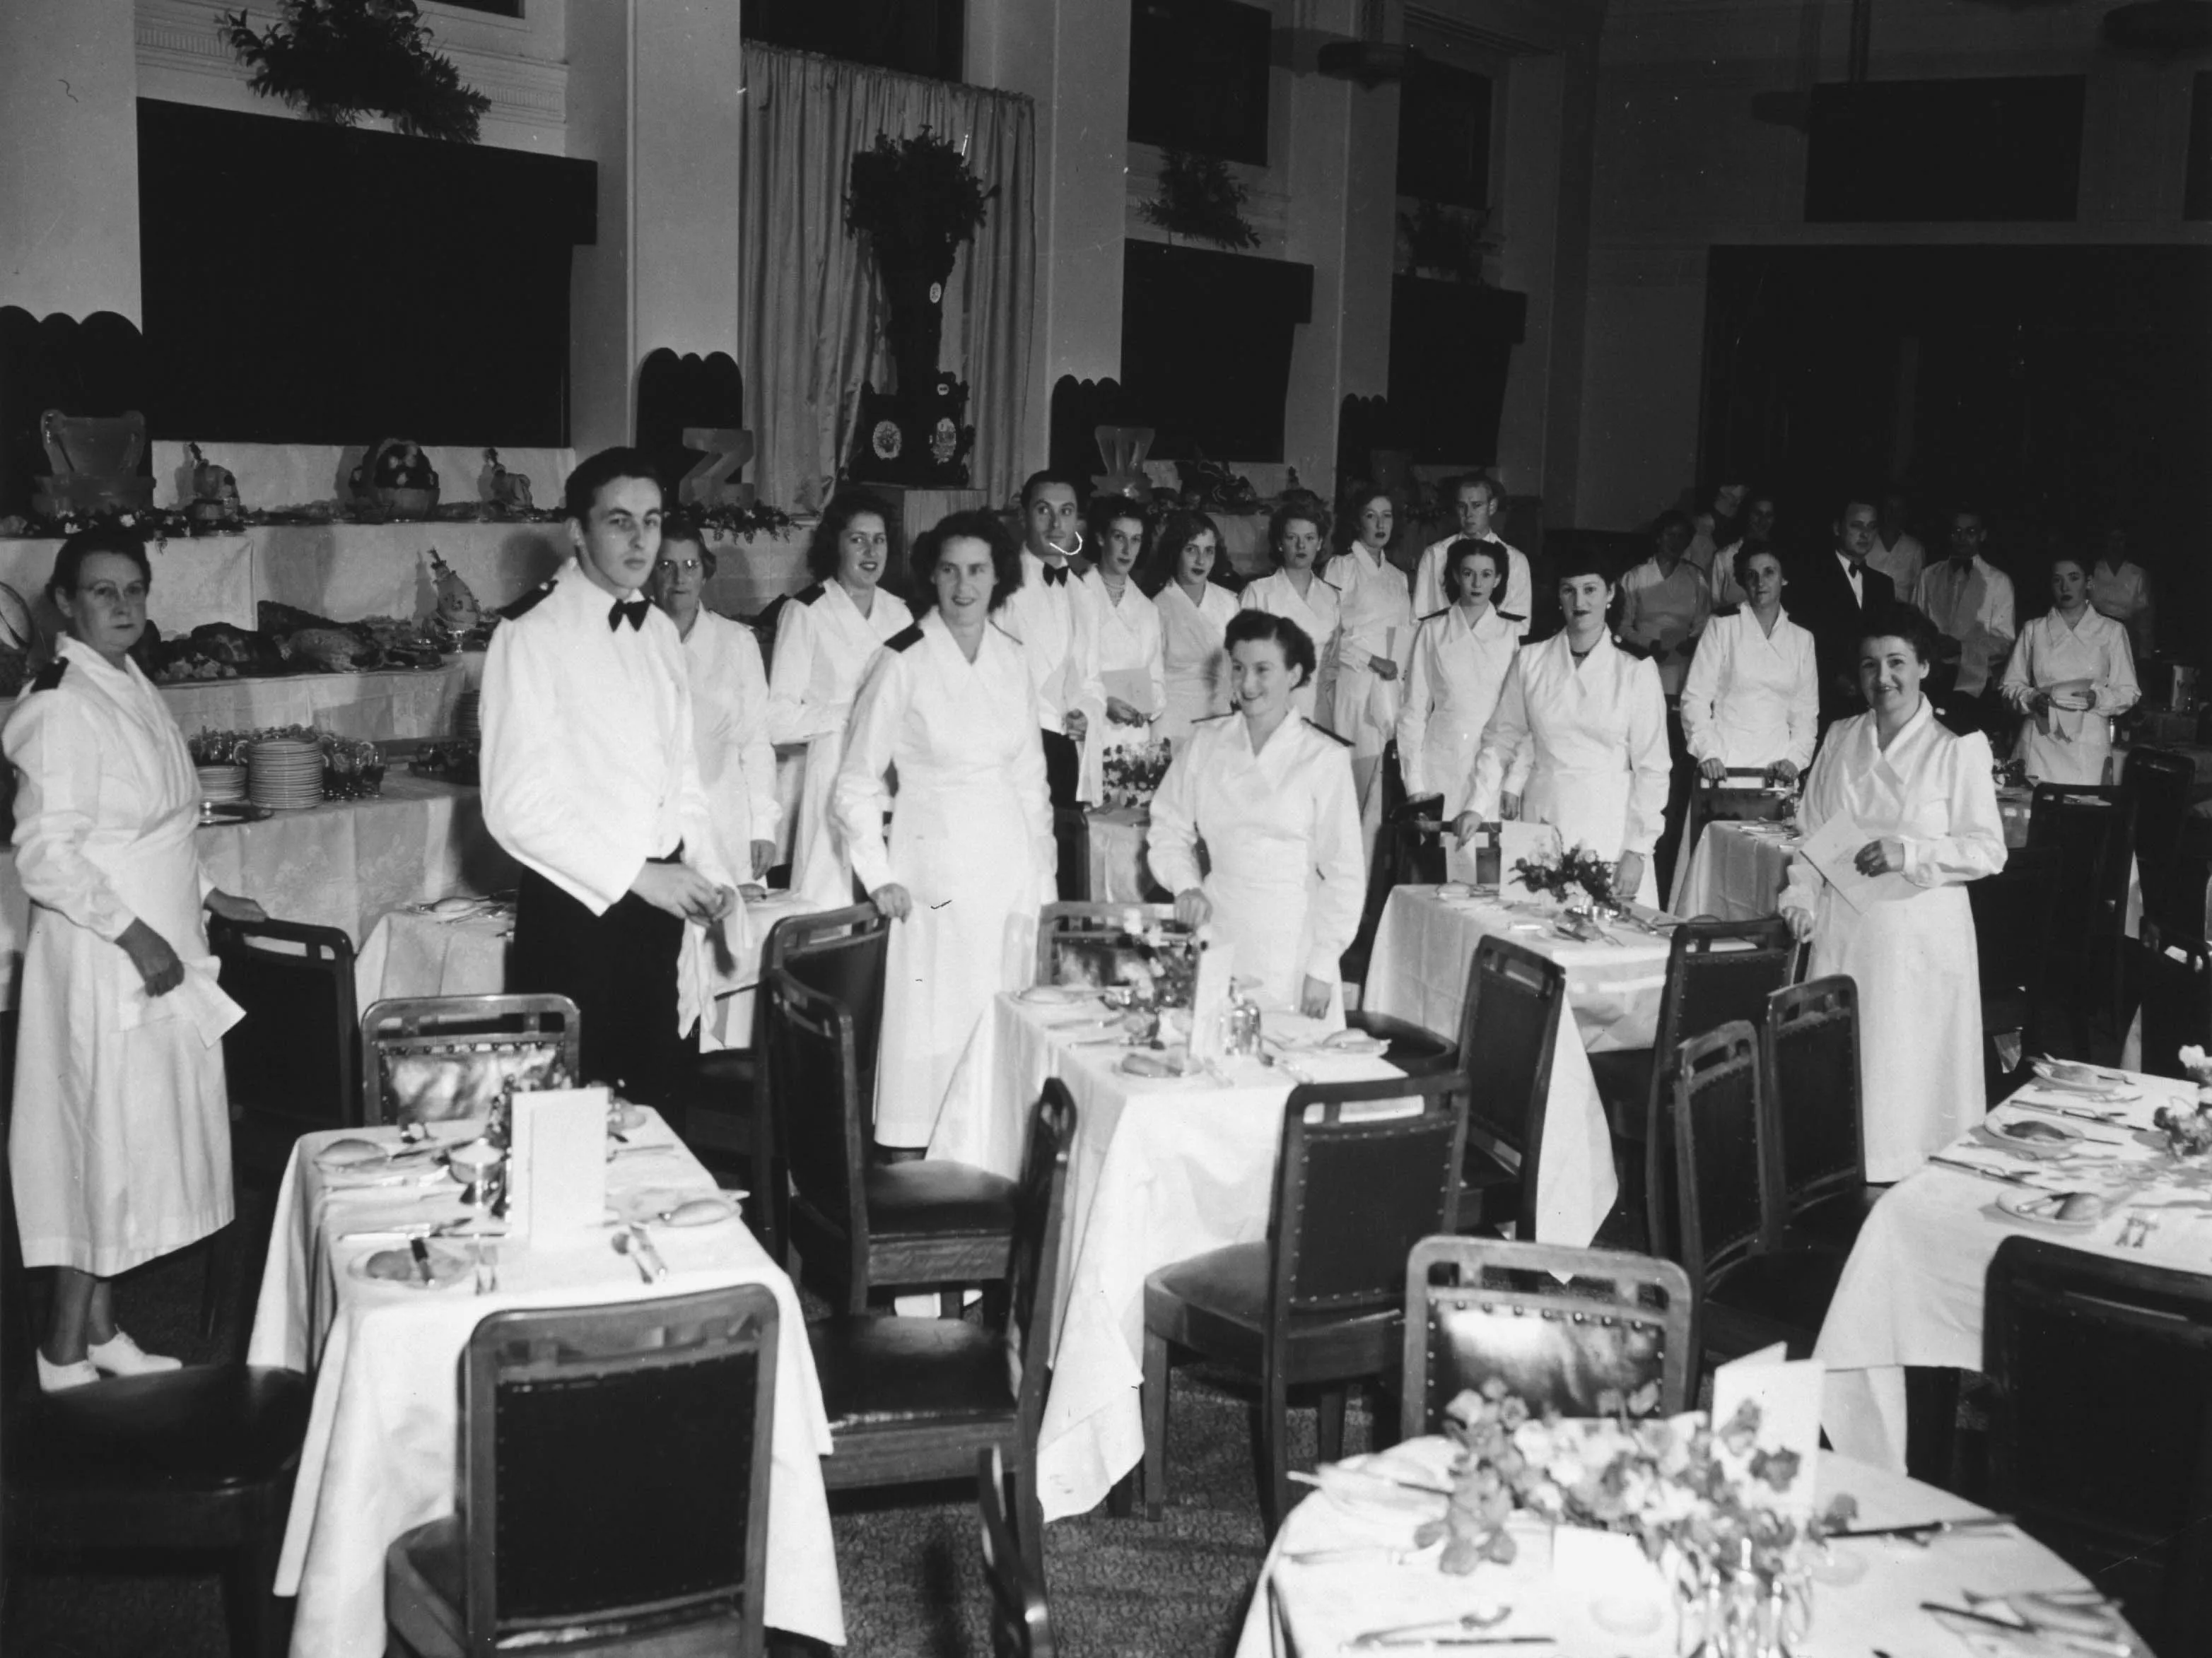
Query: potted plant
point(917, 202)
point(1198, 197)
point(337, 60)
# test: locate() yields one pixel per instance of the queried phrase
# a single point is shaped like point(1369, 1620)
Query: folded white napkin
point(199, 999)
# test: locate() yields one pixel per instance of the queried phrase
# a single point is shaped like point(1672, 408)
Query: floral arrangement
point(1676, 1485)
point(1200, 198)
point(2188, 1130)
point(1579, 872)
point(1155, 966)
point(1132, 772)
point(916, 200)
point(338, 60)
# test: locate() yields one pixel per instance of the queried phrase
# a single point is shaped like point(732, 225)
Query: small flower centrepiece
point(1580, 879)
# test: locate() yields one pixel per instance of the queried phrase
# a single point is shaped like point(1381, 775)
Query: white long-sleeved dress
point(729, 731)
point(1197, 666)
point(1912, 954)
point(1376, 620)
point(1452, 683)
point(2064, 745)
point(120, 1147)
point(1281, 830)
point(1585, 748)
point(824, 646)
point(1751, 698)
point(1132, 662)
point(1314, 610)
point(1514, 596)
point(971, 841)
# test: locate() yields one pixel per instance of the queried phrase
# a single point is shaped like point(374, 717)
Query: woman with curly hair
point(1195, 612)
point(1296, 591)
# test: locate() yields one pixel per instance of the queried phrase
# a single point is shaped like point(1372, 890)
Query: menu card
point(557, 1162)
point(1834, 849)
point(1786, 1394)
point(1217, 960)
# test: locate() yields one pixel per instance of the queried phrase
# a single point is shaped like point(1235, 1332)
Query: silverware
point(2111, 1119)
point(421, 1251)
point(487, 1266)
point(631, 1240)
point(1929, 1529)
point(2097, 1645)
point(1300, 1477)
point(1467, 1623)
point(1423, 1643)
point(1988, 1173)
point(1375, 1552)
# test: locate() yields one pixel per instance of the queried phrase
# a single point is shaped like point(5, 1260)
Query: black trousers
point(619, 969)
point(1063, 767)
point(1681, 777)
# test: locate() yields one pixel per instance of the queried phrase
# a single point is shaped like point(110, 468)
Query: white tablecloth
point(397, 703)
point(1912, 1291)
point(1737, 872)
point(379, 1455)
point(1423, 949)
point(1162, 1170)
point(1328, 1603)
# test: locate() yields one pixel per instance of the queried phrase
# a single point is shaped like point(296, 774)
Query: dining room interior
point(1394, 834)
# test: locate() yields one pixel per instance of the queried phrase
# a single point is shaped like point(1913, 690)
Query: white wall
point(68, 158)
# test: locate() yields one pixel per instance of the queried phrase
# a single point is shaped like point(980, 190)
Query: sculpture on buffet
point(395, 480)
point(215, 504)
point(95, 462)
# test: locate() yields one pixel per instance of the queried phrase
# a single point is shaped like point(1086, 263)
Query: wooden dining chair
point(2016, 917)
point(2101, 1436)
point(861, 1227)
point(1815, 1132)
point(912, 1400)
point(1021, 1621)
point(2177, 1002)
point(1509, 1031)
point(459, 1029)
point(1319, 1302)
point(1079, 942)
point(1748, 1292)
point(1563, 1329)
point(2093, 831)
point(614, 1485)
point(2161, 783)
point(1741, 796)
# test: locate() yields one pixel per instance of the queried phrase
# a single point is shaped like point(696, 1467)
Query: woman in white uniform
point(1271, 795)
point(119, 1148)
point(1131, 664)
point(1460, 659)
point(2071, 673)
point(827, 636)
point(1375, 631)
point(950, 709)
point(1752, 695)
point(1194, 610)
point(1922, 797)
point(1579, 740)
point(1296, 591)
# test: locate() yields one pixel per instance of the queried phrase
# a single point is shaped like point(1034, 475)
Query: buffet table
point(1911, 1292)
point(379, 1453)
point(394, 704)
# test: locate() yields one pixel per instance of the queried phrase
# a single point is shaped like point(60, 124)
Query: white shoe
point(60, 1378)
point(120, 1356)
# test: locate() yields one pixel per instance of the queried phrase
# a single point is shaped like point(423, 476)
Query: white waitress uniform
point(1376, 620)
point(1751, 698)
point(971, 841)
point(1316, 612)
point(1281, 829)
point(1515, 596)
point(1197, 666)
point(120, 1144)
point(1452, 689)
point(1132, 660)
point(1912, 952)
point(823, 645)
point(1584, 748)
point(2067, 745)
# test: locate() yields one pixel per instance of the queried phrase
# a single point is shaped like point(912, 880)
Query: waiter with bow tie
point(591, 783)
point(1049, 613)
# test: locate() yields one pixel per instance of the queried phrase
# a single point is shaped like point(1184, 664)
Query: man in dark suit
point(1830, 594)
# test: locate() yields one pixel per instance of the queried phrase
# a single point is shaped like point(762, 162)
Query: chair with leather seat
point(1509, 1031)
point(2093, 829)
point(862, 1227)
point(614, 1485)
point(2016, 916)
point(2101, 1440)
point(1562, 1328)
point(912, 1400)
point(1408, 849)
point(1021, 1621)
point(1741, 796)
point(1748, 1292)
point(1319, 1301)
point(200, 1459)
point(458, 1033)
point(1717, 971)
point(1808, 1056)
point(2177, 1002)
point(2160, 782)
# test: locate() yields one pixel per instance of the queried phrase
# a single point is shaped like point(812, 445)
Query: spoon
point(1468, 1623)
point(642, 1255)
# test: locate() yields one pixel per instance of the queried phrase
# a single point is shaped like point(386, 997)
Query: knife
point(2097, 1645)
point(646, 1253)
point(1402, 1643)
point(1932, 1528)
point(1988, 1173)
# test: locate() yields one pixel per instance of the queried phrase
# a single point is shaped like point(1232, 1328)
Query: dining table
point(383, 1430)
point(1911, 1291)
point(1419, 971)
point(1161, 1168)
point(1341, 1568)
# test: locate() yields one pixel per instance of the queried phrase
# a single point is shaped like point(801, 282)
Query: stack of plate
point(285, 774)
point(468, 714)
point(222, 782)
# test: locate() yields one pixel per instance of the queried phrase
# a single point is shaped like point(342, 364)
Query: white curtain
point(809, 311)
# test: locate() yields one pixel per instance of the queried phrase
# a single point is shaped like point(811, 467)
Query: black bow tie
point(1055, 574)
point(634, 613)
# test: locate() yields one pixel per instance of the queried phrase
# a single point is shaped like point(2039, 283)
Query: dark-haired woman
point(1920, 802)
point(119, 1149)
point(2070, 674)
point(1131, 667)
point(1460, 657)
point(828, 634)
point(949, 709)
point(1194, 609)
point(1296, 593)
point(1271, 795)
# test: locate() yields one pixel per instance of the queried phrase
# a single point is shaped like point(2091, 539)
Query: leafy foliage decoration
point(1200, 198)
point(337, 60)
point(916, 201)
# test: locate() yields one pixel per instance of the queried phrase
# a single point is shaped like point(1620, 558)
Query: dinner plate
point(353, 1154)
point(1352, 1042)
point(1164, 1063)
point(2037, 1137)
point(1367, 1494)
point(1054, 995)
point(2040, 1209)
point(661, 1205)
point(1455, 890)
point(623, 1116)
point(2089, 1087)
point(449, 1266)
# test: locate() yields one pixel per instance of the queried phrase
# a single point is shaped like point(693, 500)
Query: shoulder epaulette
point(1323, 730)
point(1433, 615)
point(530, 600)
point(1212, 719)
point(808, 595)
point(905, 639)
point(1511, 616)
point(51, 676)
